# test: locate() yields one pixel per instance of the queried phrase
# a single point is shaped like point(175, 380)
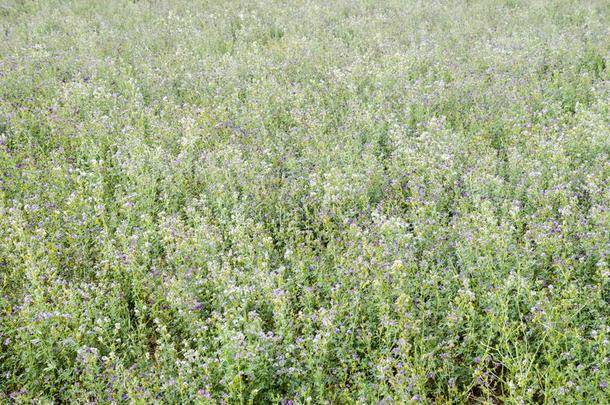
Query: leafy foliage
point(304, 202)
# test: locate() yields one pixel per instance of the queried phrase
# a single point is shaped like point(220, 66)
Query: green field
point(305, 202)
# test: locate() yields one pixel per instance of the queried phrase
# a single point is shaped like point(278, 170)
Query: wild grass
point(304, 201)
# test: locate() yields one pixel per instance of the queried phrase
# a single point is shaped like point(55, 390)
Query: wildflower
point(203, 393)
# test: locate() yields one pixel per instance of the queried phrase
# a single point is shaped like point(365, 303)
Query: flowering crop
point(304, 202)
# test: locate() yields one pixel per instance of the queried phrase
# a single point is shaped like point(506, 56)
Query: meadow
point(304, 202)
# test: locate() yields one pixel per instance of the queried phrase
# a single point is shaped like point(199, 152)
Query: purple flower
point(43, 315)
point(16, 394)
point(204, 393)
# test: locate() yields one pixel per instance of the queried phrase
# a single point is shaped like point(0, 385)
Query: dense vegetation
point(304, 202)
